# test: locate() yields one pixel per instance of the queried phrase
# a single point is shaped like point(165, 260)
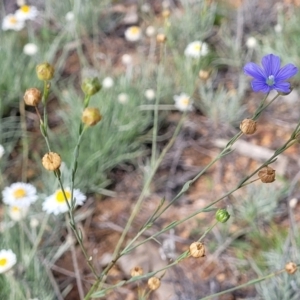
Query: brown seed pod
point(136, 271)
point(51, 161)
point(197, 249)
point(267, 175)
point(248, 126)
point(161, 38)
point(291, 268)
point(153, 283)
point(32, 96)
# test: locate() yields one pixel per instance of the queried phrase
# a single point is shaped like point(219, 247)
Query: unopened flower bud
point(222, 215)
point(248, 126)
point(51, 161)
point(197, 249)
point(91, 116)
point(166, 13)
point(153, 283)
point(32, 97)
point(267, 175)
point(161, 38)
point(204, 74)
point(90, 86)
point(291, 268)
point(44, 71)
point(136, 271)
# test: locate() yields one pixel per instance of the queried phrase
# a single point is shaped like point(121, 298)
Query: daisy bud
point(32, 97)
point(161, 38)
point(197, 249)
point(91, 116)
point(153, 283)
point(291, 268)
point(248, 126)
point(51, 161)
point(222, 215)
point(44, 71)
point(267, 175)
point(136, 271)
point(90, 86)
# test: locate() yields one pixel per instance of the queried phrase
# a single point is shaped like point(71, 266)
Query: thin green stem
point(137, 206)
point(38, 239)
point(251, 282)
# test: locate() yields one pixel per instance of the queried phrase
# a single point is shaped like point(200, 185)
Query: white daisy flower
point(70, 16)
point(107, 82)
point(19, 194)
point(11, 22)
point(123, 98)
point(7, 260)
point(183, 102)
point(150, 94)
point(2, 151)
point(17, 213)
point(56, 203)
point(196, 49)
point(251, 42)
point(133, 33)
point(26, 12)
point(30, 49)
point(126, 59)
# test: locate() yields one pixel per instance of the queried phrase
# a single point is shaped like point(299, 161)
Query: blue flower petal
point(260, 86)
point(255, 71)
point(271, 64)
point(283, 87)
point(286, 72)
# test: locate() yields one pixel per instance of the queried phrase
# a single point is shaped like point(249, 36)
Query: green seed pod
point(90, 86)
point(44, 71)
point(222, 215)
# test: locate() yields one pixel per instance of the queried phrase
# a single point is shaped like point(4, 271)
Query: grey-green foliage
point(284, 286)
point(259, 204)
point(110, 142)
point(194, 23)
point(221, 105)
point(17, 71)
point(24, 281)
point(9, 134)
point(285, 42)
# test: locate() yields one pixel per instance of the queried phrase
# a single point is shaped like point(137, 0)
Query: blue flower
point(270, 76)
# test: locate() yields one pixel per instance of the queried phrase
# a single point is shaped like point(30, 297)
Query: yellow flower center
point(13, 20)
point(135, 30)
point(25, 8)
point(19, 193)
point(15, 209)
point(60, 198)
point(197, 47)
point(3, 262)
point(185, 101)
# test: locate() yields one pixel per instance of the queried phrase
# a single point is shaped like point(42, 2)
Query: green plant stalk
point(241, 184)
point(71, 207)
point(76, 231)
point(116, 256)
point(223, 153)
point(155, 121)
point(38, 239)
point(251, 282)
